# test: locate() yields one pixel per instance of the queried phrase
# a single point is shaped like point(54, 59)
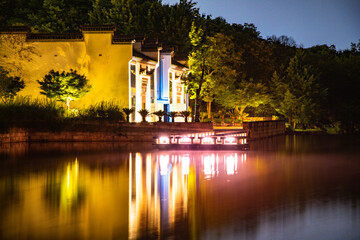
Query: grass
point(44, 114)
point(103, 111)
point(25, 112)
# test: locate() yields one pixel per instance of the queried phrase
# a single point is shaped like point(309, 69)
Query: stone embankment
point(132, 132)
point(104, 132)
point(264, 129)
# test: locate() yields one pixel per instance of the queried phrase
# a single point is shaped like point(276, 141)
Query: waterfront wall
point(264, 129)
point(122, 132)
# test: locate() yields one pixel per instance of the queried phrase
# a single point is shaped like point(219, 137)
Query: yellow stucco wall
point(106, 65)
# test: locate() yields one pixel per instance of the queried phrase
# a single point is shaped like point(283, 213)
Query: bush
point(103, 110)
point(23, 112)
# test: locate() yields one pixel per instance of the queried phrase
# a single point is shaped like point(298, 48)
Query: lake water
point(288, 187)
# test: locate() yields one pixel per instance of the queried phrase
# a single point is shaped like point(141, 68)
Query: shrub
point(24, 112)
point(103, 110)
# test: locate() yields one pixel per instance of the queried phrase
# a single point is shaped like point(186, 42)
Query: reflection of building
point(162, 188)
point(131, 70)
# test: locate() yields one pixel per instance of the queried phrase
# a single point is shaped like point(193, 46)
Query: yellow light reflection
point(69, 186)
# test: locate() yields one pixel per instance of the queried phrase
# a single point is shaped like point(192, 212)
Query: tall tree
point(211, 62)
point(298, 93)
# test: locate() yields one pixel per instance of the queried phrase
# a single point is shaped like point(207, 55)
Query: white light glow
point(185, 165)
point(207, 140)
point(164, 162)
point(229, 140)
point(164, 140)
point(209, 165)
point(231, 164)
point(185, 140)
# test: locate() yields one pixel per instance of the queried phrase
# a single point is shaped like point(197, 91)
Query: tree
point(243, 94)
point(185, 114)
point(173, 115)
point(212, 65)
point(298, 92)
point(127, 112)
point(144, 113)
point(160, 114)
point(65, 86)
point(9, 86)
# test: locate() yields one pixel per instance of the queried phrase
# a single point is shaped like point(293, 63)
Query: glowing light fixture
point(207, 140)
point(185, 140)
point(164, 140)
point(229, 140)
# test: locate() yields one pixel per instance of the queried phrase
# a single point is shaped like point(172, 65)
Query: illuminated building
point(131, 70)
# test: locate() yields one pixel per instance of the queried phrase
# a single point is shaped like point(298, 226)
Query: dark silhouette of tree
point(144, 113)
point(9, 86)
point(127, 112)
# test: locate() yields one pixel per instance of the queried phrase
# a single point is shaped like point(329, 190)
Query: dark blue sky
point(309, 22)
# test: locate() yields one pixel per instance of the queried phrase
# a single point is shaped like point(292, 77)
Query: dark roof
point(14, 29)
point(55, 36)
point(127, 38)
point(166, 48)
point(143, 56)
point(98, 28)
point(178, 64)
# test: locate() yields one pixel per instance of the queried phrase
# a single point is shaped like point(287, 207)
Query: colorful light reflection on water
point(187, 195)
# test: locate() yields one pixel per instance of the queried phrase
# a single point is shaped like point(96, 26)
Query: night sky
point(309, 22)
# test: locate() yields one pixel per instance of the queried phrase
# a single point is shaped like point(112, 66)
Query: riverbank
point(97, 131)
point(102, 131)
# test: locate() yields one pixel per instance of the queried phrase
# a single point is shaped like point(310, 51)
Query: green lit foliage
point(144, 113)
point(297, 92)
point(212, 66)
point(65, 86)
point(243, 94)
point(9, 86)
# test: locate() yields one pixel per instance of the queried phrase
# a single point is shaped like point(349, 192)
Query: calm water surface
point(303, 187)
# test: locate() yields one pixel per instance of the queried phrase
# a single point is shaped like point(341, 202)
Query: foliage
point(127, 112)
point(298, 93)
point(216, 76)
point(144, 113)
point(173, 114)
point(185, 114)
point(103, 111)
point(25, 112)
point(64, 87)
point(9, 86)
point(160, 114)
point(212, 63)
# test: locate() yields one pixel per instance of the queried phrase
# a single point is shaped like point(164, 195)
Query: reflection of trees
point(63, 189)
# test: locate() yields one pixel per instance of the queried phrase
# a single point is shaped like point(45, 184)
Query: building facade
point(129, 70)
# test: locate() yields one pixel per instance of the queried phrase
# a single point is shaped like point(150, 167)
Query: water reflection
point(160, 189)
point(277, 194)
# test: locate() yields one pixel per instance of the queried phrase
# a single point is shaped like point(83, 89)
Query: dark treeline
point(232, 68)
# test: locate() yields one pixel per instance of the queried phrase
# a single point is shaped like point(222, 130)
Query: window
point(133, 77)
